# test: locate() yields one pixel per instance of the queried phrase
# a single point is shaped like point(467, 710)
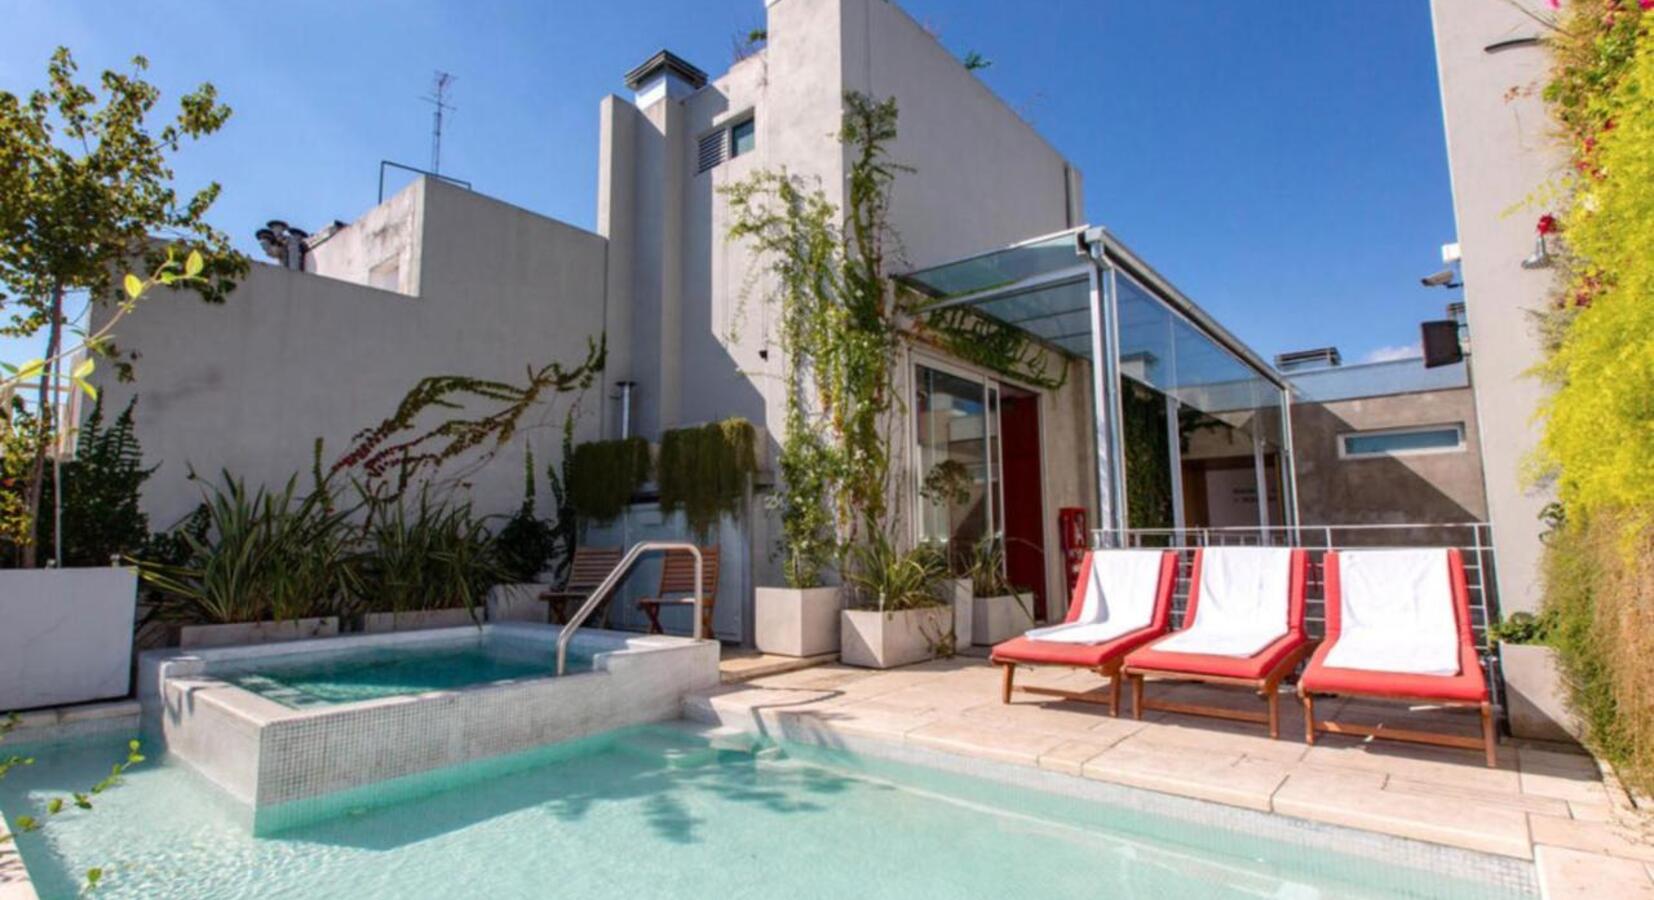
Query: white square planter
point(957, 591)
point(418, 619)
point(996, 619)
point(880, 640)
point(1534, 694)
point(796, 622)
point(65, 635)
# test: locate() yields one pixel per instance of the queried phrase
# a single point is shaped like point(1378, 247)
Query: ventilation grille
point(710, 152)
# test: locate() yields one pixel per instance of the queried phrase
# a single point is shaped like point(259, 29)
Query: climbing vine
point(995, 345)
point(703, 471)
point(840, 327)
point(387, 458)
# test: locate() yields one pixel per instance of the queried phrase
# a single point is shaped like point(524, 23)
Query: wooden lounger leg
point(652, 610)
point(1010, 676)
point(1274, 712)
point(1114, 692)
point(1309, 718)
point(1136, 696)
point(1488, 736)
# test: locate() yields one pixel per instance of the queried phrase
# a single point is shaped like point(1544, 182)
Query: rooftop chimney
point(662, 76)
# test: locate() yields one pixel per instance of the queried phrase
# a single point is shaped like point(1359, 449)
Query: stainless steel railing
point(613, 580)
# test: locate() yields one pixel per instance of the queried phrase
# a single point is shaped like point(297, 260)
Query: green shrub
point(1599, 419)
point(257, 556)
point(434, 555)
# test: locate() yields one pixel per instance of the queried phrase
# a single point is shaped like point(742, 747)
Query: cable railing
point(1474, 541)
point(618, 574)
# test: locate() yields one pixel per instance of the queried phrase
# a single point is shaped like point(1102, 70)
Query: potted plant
point(899, 616)
point(1534, 694)
point(1000, 611)
point(255, 567)
point(428, 567)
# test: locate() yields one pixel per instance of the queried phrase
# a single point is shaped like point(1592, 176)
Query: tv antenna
point(439, 99)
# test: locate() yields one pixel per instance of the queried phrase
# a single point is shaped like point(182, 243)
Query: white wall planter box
point(957, 591)
point(796, 622)
point(995, 619)
point(235, 634)
point(65, 635)
point(418, 619)
point(880, 640)
point(1535, 695)
point(519, 603)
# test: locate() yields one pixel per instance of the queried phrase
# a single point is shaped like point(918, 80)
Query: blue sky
point(1282, 162)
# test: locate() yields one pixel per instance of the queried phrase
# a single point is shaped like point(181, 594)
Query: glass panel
point(1402, 441)
point(742, 138)
point(1001, 268)
point(952, 430)
point(1148, 456)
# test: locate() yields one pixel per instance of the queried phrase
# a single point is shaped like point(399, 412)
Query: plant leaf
point(134, 287)
point(84, 369)
point(194, 264)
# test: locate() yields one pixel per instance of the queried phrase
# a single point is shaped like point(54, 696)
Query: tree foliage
point(102, 493)
point(86, 193)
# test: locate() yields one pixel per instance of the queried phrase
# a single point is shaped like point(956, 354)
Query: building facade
point(1155, 415)
point(1500, 150)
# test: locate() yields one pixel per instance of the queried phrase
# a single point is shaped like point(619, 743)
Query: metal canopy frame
point(1086, 261)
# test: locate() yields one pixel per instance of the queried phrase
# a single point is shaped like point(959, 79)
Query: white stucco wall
point(292, 356)
point(1500, 149)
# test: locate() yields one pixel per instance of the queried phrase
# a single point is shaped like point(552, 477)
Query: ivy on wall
point(840, 327)
point(603, 476)
point(976, 338)
point(1148, 457)
point(704, 471)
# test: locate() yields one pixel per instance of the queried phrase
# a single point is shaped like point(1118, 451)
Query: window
point(725, 142)
point(743, 136)
point(1402, 441)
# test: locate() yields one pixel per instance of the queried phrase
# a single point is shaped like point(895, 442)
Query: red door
point(1024, 509)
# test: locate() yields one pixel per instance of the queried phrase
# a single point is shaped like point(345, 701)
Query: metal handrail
point(613, 580)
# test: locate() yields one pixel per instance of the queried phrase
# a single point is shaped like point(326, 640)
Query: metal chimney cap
point(668, 63)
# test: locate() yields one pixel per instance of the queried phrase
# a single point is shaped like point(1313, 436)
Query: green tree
point(86, 194)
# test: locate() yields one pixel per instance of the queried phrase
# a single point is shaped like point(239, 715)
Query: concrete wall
point(1432, 487)
point(1500, 148)
point(292, 356)
point(701, 341)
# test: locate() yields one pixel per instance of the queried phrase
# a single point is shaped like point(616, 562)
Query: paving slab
point(1571, 875)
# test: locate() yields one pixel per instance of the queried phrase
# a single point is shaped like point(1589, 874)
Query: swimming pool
point(369, 673)
point(664, 811)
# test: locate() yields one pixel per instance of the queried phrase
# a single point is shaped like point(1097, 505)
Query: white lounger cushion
point(1120, 591)
point(1396, 613)
point(1243, 602)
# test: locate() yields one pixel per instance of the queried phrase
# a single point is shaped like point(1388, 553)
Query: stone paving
point(1546, 803)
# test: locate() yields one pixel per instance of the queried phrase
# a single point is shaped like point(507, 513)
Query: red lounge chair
point(1415, 626)
point(1235, 593)
point(1103, 656)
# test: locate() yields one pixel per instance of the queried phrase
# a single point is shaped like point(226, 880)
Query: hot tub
point(281, 727)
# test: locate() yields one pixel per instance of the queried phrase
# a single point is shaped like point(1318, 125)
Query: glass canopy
point(1192, 426)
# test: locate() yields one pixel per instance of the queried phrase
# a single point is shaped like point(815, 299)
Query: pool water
point(660, 812)
point(312, 679)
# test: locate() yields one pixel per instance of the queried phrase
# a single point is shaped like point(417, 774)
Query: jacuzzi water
point(659, 812)
point(322, 679)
